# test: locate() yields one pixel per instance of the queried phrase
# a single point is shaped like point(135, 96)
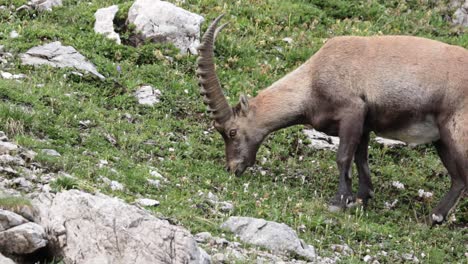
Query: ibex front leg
point(350, 132)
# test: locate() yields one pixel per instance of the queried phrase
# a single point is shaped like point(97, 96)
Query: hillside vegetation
point(291, 182)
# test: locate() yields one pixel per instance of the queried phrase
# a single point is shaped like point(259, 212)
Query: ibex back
point(407, 88)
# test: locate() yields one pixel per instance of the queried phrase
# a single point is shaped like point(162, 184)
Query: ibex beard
point(407, 88)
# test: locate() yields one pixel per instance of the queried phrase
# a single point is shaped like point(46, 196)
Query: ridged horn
point(209, 83)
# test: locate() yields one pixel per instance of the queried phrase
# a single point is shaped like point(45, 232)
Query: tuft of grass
point(14, 202)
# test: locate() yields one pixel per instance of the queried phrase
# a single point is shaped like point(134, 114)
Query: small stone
point(147, 95)
point(8, 148)
point(51, 152)
point(344, 249)
point(28, 155)
point(288, 40)
point(14, 34)
point(10, 76)
point(226, 207)
point(147, 202)
point(221, 242)
point(3, 137)
point(22, 184)
point(45, 5)
point(154, 183)
point(219, 258)
point(367, 258)
point(203, 237)
point(116, 186)
point(390, 143)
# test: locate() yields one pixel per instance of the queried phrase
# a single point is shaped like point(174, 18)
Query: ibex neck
point(281, 105)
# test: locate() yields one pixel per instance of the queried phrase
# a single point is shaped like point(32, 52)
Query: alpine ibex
point(401, 87)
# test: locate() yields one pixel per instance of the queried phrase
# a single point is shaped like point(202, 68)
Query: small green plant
point(65, 183)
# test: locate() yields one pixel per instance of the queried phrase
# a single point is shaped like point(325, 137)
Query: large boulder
point(164, 22)
point(85, 228)
point(57, 55)
point(22, 239)
point(277, 237)
point(105, 22)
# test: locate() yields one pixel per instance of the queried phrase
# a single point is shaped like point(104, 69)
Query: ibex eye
point(232, 133)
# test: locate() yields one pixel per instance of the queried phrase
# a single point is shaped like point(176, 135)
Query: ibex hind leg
point(453, 151)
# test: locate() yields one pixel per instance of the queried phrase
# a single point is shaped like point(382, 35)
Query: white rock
point(162, 21)
point(10, 76)
point(9, 219)
point(5, 260)
point(11, 160)
point(288, 40)
point(116, 186)
point(3, 137)
point(147, 95)
point(45, 5)
point(7, 147)
point(321, 140)
point(275, 236)
point(14, 34)
point(51, 152)
point(367, 258)
point(57, 55)
point(203, 237)
point(154, 183)
point(344, 249)
point(460, 17)
point(225, 207)
point(23, 239)
point(147, 202)
point(105, 22)
point(391, 143)
point(78, 221)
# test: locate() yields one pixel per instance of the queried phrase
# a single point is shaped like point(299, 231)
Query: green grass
point(250, 55)
point(12, 202)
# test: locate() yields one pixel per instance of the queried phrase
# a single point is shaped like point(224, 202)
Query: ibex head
point(237, 124)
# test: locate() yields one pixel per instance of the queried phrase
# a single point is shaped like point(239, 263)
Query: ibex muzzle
point(407, 88)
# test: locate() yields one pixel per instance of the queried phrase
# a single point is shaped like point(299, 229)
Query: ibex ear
point(244, 104)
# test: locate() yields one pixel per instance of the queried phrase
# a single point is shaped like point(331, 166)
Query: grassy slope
point(251, 55)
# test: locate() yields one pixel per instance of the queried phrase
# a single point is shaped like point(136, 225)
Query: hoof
point(341, 202)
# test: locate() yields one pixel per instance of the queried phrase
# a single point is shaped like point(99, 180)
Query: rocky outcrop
point(277, 237)
point(78, 221)
point(57, 55)
point(105, 22)
point(460, 17)
point(164, 22)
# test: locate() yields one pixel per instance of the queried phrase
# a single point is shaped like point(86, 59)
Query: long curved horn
point(208, 80)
